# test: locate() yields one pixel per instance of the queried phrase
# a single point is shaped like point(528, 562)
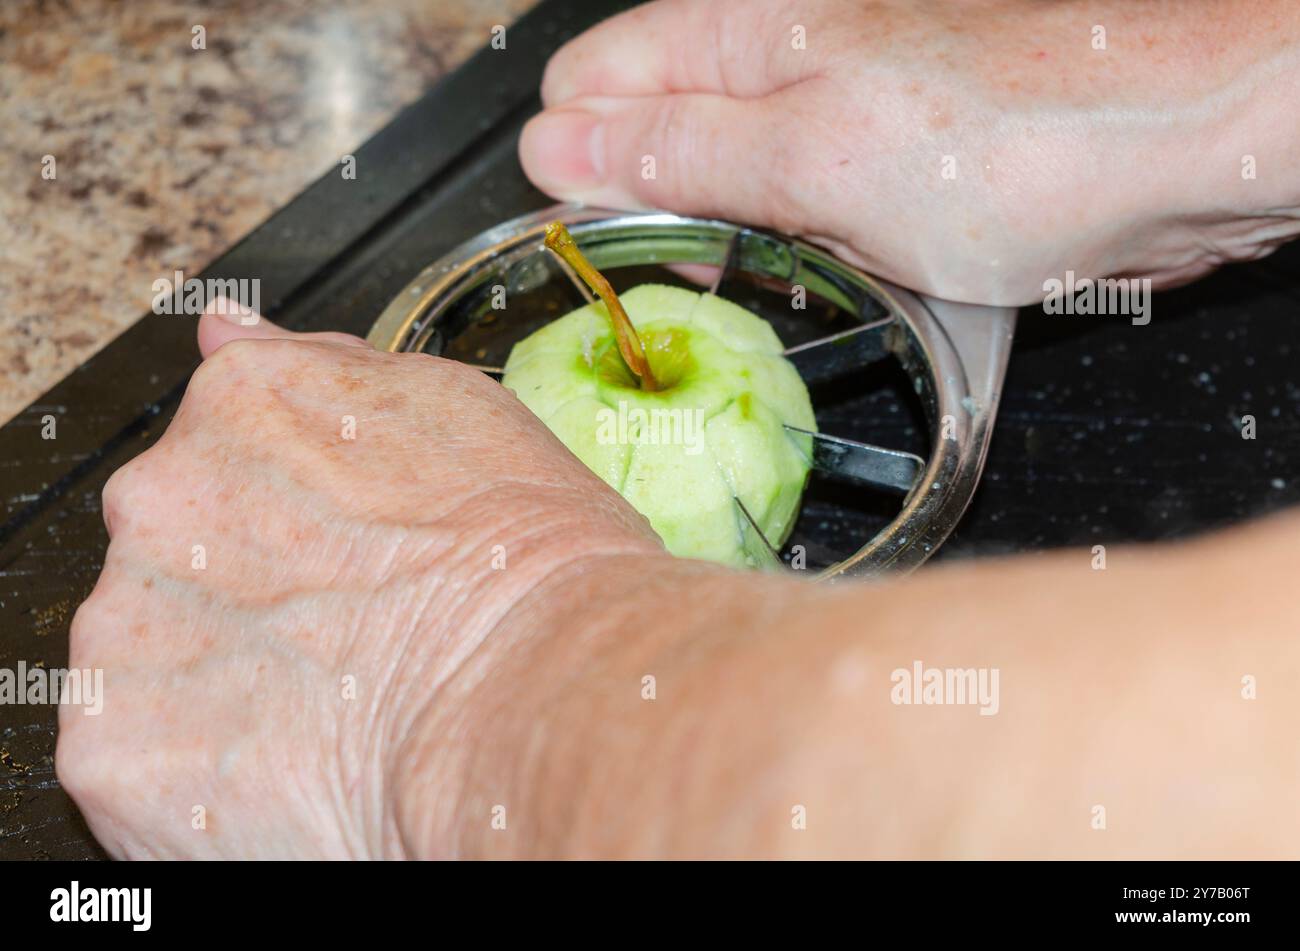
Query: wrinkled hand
point(302, 572)
point(971, 149)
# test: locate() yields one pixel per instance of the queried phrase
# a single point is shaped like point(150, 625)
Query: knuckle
point(118, 483)
point(138, 491)
point(236, 367)
point(449, 370)
point(118, 499)
point(239, 352)
point(457, 384)
point(459, 372)
point(82, 763)
point(92, 626)
point(338, 338)
point(474, 384)
point(229, 359)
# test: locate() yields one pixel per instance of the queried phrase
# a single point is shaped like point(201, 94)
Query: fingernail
point(232, 311)
point(564, 149)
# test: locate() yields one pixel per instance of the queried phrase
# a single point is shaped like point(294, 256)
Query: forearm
point(1119, 688)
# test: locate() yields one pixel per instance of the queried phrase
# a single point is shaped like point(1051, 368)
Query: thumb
point(225, 320)
point(692, 153)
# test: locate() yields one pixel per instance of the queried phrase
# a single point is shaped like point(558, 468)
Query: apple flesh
point(712, 433)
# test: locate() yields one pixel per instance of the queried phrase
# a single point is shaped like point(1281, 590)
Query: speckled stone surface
point(165, 155)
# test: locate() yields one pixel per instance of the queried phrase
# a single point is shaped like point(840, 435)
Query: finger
point(704, 275)
point(696, 154)
point(225, 320)
point(738, 49)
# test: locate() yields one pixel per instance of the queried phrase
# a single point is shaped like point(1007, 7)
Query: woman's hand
point(313, 559)
point(359, 604)
point(971, 149)
point(446, 637)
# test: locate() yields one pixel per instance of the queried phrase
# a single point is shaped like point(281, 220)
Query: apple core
point(710, 432)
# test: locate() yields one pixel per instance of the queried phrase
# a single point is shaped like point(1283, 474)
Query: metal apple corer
point(850, 328)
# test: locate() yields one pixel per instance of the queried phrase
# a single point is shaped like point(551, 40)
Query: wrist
point(464, 592)
point(466, 766)
point(564, 579)
point(534, 756)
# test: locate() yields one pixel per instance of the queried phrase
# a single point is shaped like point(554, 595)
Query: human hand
point(973, 150)
point(303, 584)
point(347, 674)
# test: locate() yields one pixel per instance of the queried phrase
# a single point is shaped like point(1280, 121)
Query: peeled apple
point(710, 432)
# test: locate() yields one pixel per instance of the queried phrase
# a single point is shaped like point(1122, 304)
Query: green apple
point(710, 430)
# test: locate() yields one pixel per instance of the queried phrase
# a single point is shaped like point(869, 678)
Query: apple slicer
point(868, 508)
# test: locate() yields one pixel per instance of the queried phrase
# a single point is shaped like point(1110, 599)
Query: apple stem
point(561, 242)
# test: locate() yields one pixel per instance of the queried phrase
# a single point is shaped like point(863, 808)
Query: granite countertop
point(165, 155)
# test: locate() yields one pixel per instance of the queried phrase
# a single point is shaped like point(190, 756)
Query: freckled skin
point(351, 676)
point(368, 566)
point(325, 558)
point(1066, 156)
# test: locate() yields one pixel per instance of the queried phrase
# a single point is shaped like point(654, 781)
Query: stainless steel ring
point(955, 354)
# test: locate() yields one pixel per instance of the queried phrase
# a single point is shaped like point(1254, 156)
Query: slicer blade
point(829, 357)
point(754, 542)
point(730, 266)
point(863, 464)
